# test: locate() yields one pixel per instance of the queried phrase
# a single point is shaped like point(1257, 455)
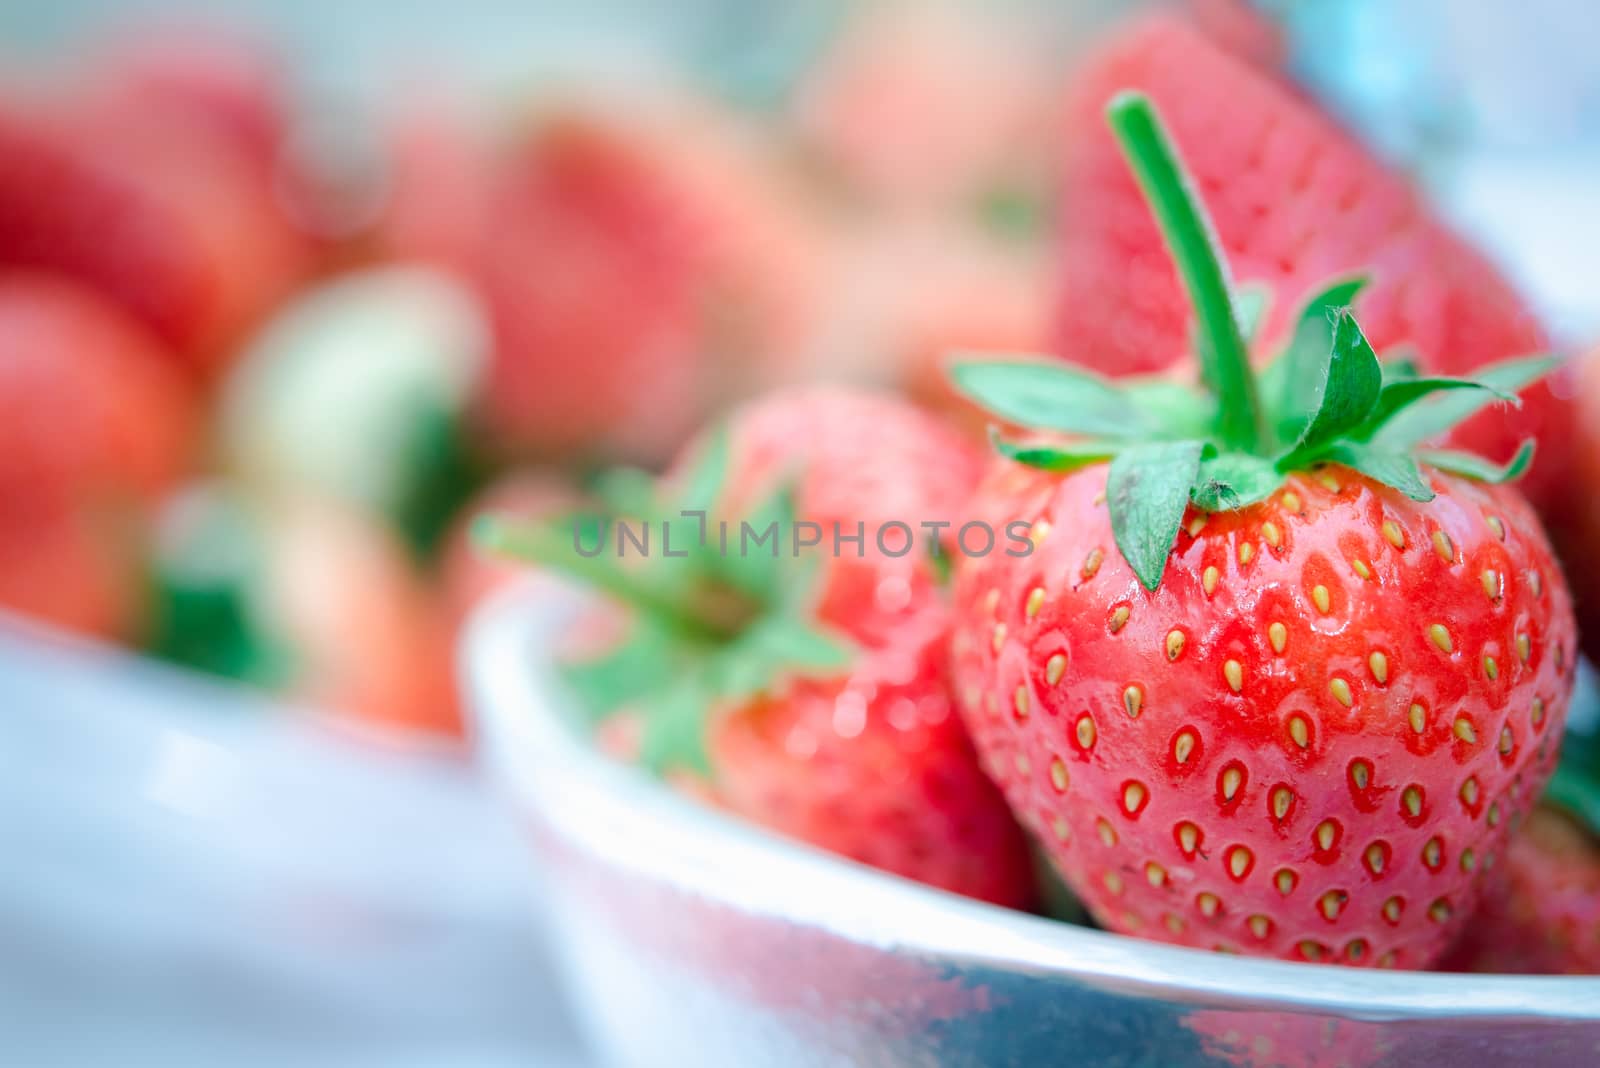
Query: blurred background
point(289, 291)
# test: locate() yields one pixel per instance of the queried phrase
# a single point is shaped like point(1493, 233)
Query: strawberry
point(1295, 201)
point(171, 225)
point(95, 423)
point(1577, 526)
point(1263, 682)
point(814, 700)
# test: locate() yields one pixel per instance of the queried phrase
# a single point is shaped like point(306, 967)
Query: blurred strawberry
point(1296, 202)
point(468, 573)
point(308, 599)
point(1577, 527)
point(172, 225)
point(94, 424)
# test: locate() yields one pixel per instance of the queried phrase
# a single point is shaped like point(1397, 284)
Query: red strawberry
point(178, 230)
point(1263, 683)
point(860, 753)
point(94, 424)
point(1541, 909)
point(1296, 201)
point(1577, 528)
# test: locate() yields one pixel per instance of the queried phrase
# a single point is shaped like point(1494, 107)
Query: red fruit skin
point(1070, 753)
point(95, 423)
point(1541, 905)
point(874, 763)
point(1576, 527)
point(1296, 202)
point(172, 225)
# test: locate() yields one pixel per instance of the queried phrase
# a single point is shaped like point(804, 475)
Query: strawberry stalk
point(1191, 238)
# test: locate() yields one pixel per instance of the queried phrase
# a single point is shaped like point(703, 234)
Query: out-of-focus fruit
point(307, 599)
point(469, 572)
point(70, 567)
point(359, 392)
point(1576, 527)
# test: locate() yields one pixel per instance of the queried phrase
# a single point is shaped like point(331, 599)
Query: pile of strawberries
point(1240, 623)
point(1225, 611)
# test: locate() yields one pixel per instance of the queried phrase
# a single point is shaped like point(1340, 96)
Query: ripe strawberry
point(1296, 201)
point(814, 700)
point(94, 424)
point(1263, 683)
point(178, 230)
point(1577, 526)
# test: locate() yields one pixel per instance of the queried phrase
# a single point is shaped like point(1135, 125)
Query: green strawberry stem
point(1184, 224)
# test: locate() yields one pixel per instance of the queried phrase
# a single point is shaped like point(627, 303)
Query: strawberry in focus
point(1295, 201)
point(1264, 682)
point(813, 699)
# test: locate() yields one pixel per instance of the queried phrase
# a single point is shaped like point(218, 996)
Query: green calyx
point(1233, 441)
point(707, 626)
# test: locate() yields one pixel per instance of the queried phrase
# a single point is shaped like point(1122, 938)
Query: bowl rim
point(630, 821)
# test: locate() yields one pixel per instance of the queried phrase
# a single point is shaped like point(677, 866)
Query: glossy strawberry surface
point(1307, 742)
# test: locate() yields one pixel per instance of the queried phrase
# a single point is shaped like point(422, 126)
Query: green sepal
point(1398, 395)
point(1148, 491)
point(1438, 414)
point(1397, 470)
point(1050, 396)
point(1252, 301)
point(1347, 386)
point(1289, 383)
point(1232, 480)
point(1470, 465)
point(1057, 456)
point(675, 726)
point(629, 673)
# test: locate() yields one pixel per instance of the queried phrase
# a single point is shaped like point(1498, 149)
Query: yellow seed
point(1375, 858)
point(1155, 873)
point(1469, 792)
point(1444, 546)
point(1508, 741)
point(1440, 637)
point(1419, 718)
point(1524, 648)
point(1430, 853)
point(1326, 833)
point(1208, 579)
point(1119, 616)
point(1107, 833)
point(1038, 532)
point(1270, 532)
point(1491, 583)
point(1099, 499)
point(1086, 732)
point(1209, 903)
point(1023, 767)
point(1063, 832)
point(1183, 747)
point(1282, 798)
point(1332, 903)
point(1239, 860)
point(1260, 926)
point(1536, 711)
point(1291, 501)
point(1356, 949)
point(1278, 635)
point(1132, 701)
point(1439, 911)
point(1469, 860)
point(1491, 668)
point(1188, 837)
point(1300, 731)
point(1379, 664)
point(1174, 923)
point(1175, 641)
point(1341, 692)
point(1393, 533)
point(1233, 671)
point(1392, 909)
point(990, 705)
point(1319, 595)
point(1232, 779)
point(1361, 568)
point(1360, 774)
point(1196, 525)
point(1058, 775)
point(1310, 950)
point(1019, 701)
point(1536, 583)
point(1498, 527)
point(1411, 798)
point(1465, 731)
point(999, 637)
point(1132, 797)
point(1035, 601)
point(1113, 882)
point(1329, 483)
point(1092, 562)
point(1054, 668)
point(1494, 813)
point(1285, 880)
point(1246, 551)
point(991, 601)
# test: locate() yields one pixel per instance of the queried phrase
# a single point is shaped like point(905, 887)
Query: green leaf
point(1050, 396)
point(755, 570)
point(1234, 480)
point(703, 485)
point(1251, 302)
point(1191, 239)
point(1179, 410)
point(1441, 413)
point(1289, 384)
point(1347, 387)
point(795, 646)
point(675, 727)
point(1470, 465)
point(1394, 469)
point(627, 491)
point(1400, 364)
point(1148, 491)
point(1061, 456)
point(629, 673)
point(1397, 396)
